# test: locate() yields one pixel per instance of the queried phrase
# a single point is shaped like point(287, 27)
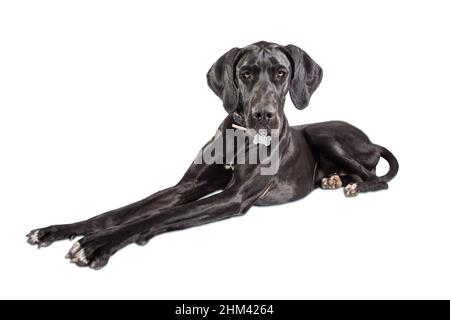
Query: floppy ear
point(306, 76)
point(221, 79)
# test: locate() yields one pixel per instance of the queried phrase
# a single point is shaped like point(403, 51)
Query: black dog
point(253, 83)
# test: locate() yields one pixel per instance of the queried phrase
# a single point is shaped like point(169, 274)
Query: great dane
point(252, 83)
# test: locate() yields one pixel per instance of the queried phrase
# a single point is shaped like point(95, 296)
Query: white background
point(105, 102)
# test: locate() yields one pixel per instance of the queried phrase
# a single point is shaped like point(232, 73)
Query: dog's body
point(252, 83)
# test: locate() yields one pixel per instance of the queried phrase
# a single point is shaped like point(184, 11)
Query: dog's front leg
point(199, 181)
point(95, 250)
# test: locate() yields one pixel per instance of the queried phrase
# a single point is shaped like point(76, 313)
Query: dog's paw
point(90, 254)
point(351, 190)
point(33, 237)
point(332, 182)
point(46, 236)
point(95, 250)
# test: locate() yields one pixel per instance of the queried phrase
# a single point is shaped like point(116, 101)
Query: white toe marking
point(332, 182)
point(351, 190)
point(75, 248)
point(80, 257)
point(33, 237)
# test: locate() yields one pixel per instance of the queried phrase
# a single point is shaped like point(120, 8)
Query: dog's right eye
point(246, 75)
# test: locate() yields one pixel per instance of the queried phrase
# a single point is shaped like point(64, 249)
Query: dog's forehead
point(256, 55)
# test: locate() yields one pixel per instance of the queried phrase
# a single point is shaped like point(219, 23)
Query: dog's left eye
point(280, 74)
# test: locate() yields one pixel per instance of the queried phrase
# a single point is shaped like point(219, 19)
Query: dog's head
point(253, 82)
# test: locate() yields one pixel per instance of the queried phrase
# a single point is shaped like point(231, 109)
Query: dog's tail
point(393, 163)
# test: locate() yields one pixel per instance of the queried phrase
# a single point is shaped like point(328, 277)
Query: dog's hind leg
point(338, 180)
point(353, 184)
point(347, 150)
point(360, 179)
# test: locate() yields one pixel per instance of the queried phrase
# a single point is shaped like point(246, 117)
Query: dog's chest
point(294, 179)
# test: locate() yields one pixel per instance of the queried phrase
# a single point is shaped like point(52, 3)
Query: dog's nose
point(262, 115)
